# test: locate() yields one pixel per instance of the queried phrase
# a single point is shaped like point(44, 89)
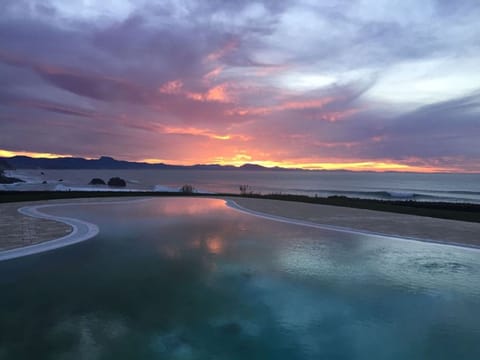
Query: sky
point(340, 84)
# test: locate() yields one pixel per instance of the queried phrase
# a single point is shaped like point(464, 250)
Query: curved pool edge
point(81, 230)
point(233, 205)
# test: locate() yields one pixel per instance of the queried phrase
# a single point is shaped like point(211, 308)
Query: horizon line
point(375, 166)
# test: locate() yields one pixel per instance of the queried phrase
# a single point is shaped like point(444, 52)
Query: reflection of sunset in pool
point(191, 208)
point(183, 278)
point(215, 244)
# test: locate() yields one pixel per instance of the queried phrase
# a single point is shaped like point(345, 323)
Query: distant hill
point(106, 162)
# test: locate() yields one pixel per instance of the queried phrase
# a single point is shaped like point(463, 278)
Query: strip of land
point(387, 223)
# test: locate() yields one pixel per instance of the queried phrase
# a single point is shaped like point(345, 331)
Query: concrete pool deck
point(453, 232)
point(18, 230)
point(22, 235)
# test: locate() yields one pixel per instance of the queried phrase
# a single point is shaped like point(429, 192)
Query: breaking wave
point(448, 196)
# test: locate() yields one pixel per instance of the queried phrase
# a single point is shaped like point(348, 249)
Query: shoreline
point(274, 210)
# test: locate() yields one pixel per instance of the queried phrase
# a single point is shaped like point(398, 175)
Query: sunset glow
point(291, 84)
point(380, 166)
point(241, 159)
point(6, 153)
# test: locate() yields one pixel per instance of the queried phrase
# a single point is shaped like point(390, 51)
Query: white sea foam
point(93, 188)
point(28, 179)
point(163, 188)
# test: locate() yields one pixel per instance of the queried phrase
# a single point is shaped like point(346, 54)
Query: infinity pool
point(179, 278)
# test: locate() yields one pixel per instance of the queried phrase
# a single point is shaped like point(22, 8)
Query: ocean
point(368, 185)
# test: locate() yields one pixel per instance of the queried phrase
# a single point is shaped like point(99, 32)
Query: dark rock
point(44, 182)
point(8, 180)
point(97, 181)
point(116, 181)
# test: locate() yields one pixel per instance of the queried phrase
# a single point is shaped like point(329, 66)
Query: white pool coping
point(233, 205)
point(83, 230)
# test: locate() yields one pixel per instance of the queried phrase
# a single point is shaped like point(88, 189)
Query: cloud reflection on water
point(191, 278)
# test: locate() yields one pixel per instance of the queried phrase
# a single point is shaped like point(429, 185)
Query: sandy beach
point(20, 231)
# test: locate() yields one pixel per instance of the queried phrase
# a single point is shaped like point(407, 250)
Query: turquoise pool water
point(192, 279)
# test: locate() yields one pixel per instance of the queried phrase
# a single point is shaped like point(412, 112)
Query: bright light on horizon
point(351, 166)
point(36, 155)
point(243, 159)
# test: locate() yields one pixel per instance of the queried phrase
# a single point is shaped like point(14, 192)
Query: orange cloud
point(217, 93)
point(201, 132)
point(218, 54)
point(338, 115)
point(306, 104)
point(289, 105)
point(377, 139)
point(172, 87)
point(214, 73)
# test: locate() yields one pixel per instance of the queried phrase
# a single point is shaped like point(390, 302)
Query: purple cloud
point(266, 80)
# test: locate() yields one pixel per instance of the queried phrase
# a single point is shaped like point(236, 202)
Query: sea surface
point(192, 279)
point(397, 186)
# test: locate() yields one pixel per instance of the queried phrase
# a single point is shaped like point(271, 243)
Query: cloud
point(56, 108)
point(444, 129)
point(206, 81)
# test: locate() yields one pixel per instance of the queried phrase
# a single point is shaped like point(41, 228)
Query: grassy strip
point(442, 210)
